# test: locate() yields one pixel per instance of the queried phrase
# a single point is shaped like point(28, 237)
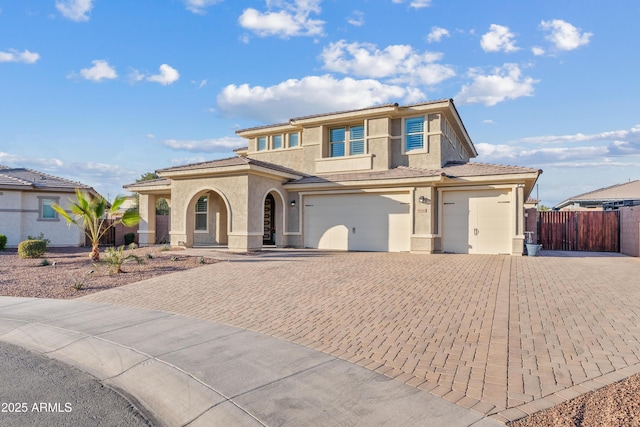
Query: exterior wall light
point(292, 203)
point(422, 199)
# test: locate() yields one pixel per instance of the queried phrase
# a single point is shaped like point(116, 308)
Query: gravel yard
point(69, 268)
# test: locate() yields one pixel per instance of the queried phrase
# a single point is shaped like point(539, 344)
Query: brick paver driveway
point(505, 336)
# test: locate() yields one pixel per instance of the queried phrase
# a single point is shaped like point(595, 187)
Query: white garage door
point(358, 222)
point(477, 222)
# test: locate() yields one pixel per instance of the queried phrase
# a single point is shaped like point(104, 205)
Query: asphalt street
point(38, 391)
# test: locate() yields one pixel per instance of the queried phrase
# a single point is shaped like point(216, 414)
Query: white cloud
point(135, 76)
point(436, 34)
point(13, 55)
point(416, 4)
point(631, 135)
point(488, 121)
point(399, 63)
point(167, 75)
point(295, 98)
point(199, 6)
point(563, 35)
point(506, 82)
point(101, 70)
point(205, 145)
point(284, 19)
point(499, 38)
point(76, 10)
point(575, 150)
point(538, 51)
point(356, 19)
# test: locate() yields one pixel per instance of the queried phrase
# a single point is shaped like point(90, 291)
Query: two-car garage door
point(358, 222)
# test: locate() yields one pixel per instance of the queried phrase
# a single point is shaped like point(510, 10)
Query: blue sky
point(102, 91)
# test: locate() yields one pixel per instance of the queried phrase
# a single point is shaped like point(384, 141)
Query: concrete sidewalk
point(184, 371)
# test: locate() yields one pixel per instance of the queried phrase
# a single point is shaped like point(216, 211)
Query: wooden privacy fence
point(580, 231)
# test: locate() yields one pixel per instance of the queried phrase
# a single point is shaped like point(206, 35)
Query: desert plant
point(3, 242)
point(129, 238)
point(40, 237)
point(149, 256)
point(165, 247)
point(44, 262)
point(114, 258)
point(89, 215)
point(174, 258)
point(31, 248)
point(200, 260)
point(132, 246)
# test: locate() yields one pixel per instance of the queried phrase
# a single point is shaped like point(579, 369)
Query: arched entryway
point(269, 236)
point(207, 220)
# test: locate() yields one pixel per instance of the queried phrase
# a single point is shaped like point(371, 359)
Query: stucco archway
point(207, 219)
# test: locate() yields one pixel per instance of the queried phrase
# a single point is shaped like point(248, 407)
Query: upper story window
point(336, 142)
point(414, 133)
point(46, 210)
point(294, 139)
point(277, 141)
point(346, 141)
point(201, 214)
point(262, 143)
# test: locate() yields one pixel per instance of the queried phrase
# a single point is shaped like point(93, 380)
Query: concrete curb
point(185, 371)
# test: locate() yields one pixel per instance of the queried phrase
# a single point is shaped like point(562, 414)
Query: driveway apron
point(504, 336)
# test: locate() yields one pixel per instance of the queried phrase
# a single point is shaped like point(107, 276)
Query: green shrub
point(32, 248)
point(3, 242)
point(45, 262)
point(114, 258)
point(129, 238)
point(40, 236)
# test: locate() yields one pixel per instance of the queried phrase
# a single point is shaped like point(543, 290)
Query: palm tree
point(89, 215)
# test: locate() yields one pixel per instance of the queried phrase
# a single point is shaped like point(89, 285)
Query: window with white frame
point(262, 143)
point(346, 141)
point(414, 133)
point(201, 214)
point(46, 212)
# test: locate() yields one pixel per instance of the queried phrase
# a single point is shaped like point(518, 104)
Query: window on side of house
point(414, 133)
point(46, 210)
point(294, 139)
point(201, 214)
point(262, 143)
point(277, 141)
point(336, 142)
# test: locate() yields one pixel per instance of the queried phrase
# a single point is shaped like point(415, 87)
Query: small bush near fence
point(3, 242)
point(129, 238)
point(32, 248)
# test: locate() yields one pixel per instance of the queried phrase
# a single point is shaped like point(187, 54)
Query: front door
point(268, 238)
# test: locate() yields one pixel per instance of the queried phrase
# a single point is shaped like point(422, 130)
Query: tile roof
point(402, 172)
point(626, 191)
point(150, 183)
point(231, 161)
point(22, 177)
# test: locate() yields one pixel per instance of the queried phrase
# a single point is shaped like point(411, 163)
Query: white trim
point(243, 233)
point(425, 236)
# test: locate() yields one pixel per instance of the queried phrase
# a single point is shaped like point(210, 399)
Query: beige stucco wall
point(630, 230)
point(20, 218)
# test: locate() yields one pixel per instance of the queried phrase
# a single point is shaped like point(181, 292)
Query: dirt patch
point(66, 269)
point(617, 405)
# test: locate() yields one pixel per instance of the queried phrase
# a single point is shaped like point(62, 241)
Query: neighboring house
point(26, 197)
point(627, 194)
point(385, 178)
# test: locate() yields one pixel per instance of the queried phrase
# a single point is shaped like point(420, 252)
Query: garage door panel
point(361, 222)
point(477, 221)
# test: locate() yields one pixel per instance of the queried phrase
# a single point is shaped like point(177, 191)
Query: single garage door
point(358, 222)
point(477, 222)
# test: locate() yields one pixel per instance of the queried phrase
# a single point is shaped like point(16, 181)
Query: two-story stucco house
point(385, 178)
point(26, 197)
